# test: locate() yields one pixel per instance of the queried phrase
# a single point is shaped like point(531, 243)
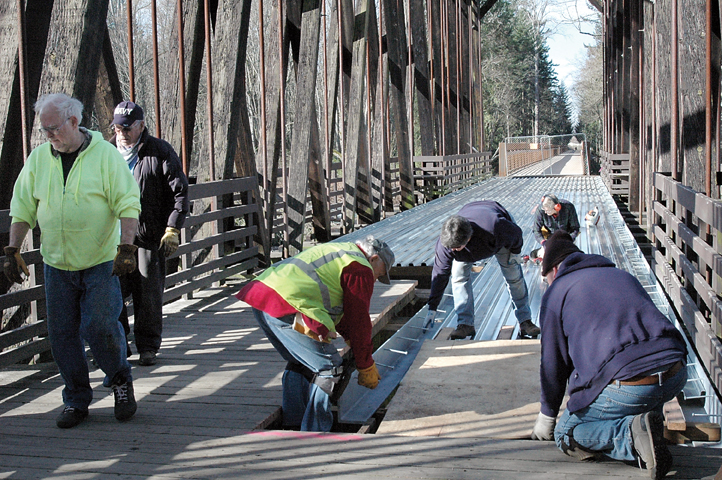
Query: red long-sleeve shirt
point(357, 283)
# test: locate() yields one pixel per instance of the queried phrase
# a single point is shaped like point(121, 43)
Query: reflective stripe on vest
point(310, 270)
point(300, 280)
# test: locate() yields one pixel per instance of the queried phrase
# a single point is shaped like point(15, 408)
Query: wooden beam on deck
point(305, 114)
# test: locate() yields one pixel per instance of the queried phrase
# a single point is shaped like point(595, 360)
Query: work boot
point(70, 417)
point(649, 443)
point(528, 329)
point(125, 405)
point(147, 358)
point(463, 331)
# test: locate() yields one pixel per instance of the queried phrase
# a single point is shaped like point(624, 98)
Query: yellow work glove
point(124, 261)
point(14, 264)
point(170, 241)
point(369, 377)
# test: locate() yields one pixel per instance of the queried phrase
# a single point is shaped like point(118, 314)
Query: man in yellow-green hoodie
point(76, 187)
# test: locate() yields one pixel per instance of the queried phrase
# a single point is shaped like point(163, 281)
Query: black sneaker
point(147, 358)
point(528, 329)
point(125, 405)
point(70, 417)
point(650, 445)
point(463, 331)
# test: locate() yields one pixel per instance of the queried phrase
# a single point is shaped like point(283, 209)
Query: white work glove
point(544, 428)
point(429, 321)
point(540, 253)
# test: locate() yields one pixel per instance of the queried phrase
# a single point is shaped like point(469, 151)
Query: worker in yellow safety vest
point(302, 303)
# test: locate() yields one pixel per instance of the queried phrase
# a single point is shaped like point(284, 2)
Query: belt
point(657, 378)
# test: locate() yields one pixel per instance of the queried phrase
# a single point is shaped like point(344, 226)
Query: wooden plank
point(74, 52)
point(397, 45)
point(674, 416)
point(355, 114)
point(467, 388)
point(422, 78)
point(305, 109)
point(37, 14)
point(171, 101)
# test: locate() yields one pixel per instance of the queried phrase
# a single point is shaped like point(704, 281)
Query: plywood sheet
point(468, 389)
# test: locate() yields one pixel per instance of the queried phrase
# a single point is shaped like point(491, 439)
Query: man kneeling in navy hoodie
point(621, 357)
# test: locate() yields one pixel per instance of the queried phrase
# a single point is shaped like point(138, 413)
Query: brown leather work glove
point(14, 265)
point(125, 261)
point(170, 241)
point(369, 377)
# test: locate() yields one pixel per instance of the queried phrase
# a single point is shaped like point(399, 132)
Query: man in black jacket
point(164, 206)
point(553, 214)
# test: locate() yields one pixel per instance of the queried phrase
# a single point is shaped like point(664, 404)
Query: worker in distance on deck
point(621, 358)
point(302, 303)
point(553, 214)
point(480, 230)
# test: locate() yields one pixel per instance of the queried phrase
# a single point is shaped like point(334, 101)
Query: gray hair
point(369, 245)
point(456, 232)
point(66, 106)
point(550, 201)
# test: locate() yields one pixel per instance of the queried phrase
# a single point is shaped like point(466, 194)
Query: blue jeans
point(304, 403)
point(463, 291)
point(84, 305)
point(604, 426)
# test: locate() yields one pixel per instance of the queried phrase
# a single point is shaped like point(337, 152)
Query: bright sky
point(566, 46)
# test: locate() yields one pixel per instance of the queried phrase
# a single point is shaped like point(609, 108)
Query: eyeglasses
point(120, 128)
point(52, 130)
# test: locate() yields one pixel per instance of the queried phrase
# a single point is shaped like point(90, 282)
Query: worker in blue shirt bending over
point(621, 358)
point(479, 230)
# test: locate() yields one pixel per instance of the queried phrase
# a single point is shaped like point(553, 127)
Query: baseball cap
point(127, 113)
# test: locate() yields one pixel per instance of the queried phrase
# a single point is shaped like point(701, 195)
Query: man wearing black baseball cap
point(621, 358)
point(164, 206)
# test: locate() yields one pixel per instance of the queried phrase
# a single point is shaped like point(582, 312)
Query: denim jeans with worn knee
point(84, 306)
point(304, 403)
point(604, 426)
point(461, 287)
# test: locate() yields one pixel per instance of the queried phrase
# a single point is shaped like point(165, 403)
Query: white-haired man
point(76, 187)
point(553, 214)
point(302, 303)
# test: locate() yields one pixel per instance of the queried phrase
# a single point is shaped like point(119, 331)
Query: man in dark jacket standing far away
point(621, 357)
point(480, 229)
point(164, 206)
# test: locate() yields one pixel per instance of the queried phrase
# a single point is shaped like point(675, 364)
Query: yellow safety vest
point(311, 281)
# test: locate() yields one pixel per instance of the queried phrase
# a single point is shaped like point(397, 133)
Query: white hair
point(369, 245)
point(66, 106)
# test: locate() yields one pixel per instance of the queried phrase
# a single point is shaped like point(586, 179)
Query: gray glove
point(429, 321)
point(544, 428)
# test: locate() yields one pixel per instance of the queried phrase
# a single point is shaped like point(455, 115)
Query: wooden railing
point(435, 176)
point(687, 238)
point(515, 156)
point(216, 243)
point(615, 172)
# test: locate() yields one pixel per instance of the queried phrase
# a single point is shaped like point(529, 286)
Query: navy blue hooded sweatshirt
point(598, 324)
point(492, 229)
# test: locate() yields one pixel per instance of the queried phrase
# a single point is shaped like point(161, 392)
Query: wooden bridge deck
point(216, 382)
